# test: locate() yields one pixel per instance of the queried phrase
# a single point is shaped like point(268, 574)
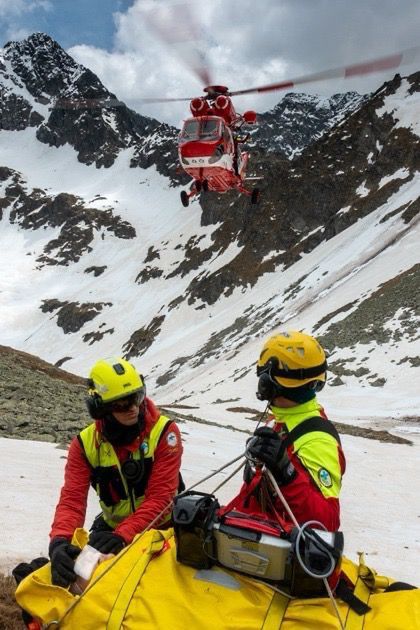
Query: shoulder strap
point(311, 424)
point(82, 444)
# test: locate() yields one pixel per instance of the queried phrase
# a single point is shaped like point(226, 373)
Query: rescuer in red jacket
point(130, 454)
point(301, 448)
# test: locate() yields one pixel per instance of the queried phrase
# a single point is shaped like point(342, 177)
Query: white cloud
point(246, 45)
point(13, 14)
point(19, 7)
point(15, 33)
point(8, 9)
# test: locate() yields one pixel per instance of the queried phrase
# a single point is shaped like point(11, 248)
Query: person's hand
point(23, 569)
point(106, 542)
point(267, 447)
point(63, 555)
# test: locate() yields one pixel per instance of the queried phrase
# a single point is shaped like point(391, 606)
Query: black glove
point(63, 555)
point(23, 569)
point(267, 447)
point(106, 542)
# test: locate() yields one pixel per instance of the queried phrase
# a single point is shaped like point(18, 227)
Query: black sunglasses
point(124, 404)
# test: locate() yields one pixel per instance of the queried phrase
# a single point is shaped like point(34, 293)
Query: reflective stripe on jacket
point(118, 498)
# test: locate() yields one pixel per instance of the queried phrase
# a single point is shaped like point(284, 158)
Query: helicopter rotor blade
point(165, 100)
point(176, 26)
point(345, 72)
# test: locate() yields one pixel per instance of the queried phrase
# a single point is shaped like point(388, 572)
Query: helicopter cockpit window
point(210, 130)
point(190, 131)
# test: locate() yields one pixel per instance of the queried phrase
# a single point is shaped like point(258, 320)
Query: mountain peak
point(33, 41)
point(43, 66)
point(42, 86)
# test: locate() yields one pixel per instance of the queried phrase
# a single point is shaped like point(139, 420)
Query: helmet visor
point(124, 404)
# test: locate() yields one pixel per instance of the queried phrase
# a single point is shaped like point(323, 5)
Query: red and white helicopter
point(209, 144)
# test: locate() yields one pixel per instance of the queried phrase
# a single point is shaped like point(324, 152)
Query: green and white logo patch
point(325, 478)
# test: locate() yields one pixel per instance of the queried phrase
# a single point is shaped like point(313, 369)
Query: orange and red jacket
point(161, 486)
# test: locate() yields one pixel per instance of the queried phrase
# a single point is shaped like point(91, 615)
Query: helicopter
point(209, 143)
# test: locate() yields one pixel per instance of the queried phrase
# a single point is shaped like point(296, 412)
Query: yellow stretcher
point(144, 587)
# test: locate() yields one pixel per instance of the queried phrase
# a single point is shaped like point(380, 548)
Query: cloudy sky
point(171, 48)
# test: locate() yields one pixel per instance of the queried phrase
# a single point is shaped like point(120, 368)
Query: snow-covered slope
point(189, 344)
point(100, 258)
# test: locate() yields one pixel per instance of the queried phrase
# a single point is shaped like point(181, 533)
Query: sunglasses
point(124, 404)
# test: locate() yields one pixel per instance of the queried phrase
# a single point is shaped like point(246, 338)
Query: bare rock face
point(72, 316)
point(142, 339)
point(39, 401)
point(370, 320)
point(16, 113)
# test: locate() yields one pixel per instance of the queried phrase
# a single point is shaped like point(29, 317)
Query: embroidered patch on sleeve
point(171, 439)
point(325, 478)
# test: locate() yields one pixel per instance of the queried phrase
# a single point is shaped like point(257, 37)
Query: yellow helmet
point(113, 378)
point(293, 359)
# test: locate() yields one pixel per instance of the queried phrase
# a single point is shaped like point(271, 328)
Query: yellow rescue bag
point(145, 587)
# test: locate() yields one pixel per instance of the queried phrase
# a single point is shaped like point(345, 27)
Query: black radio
point(193, 516)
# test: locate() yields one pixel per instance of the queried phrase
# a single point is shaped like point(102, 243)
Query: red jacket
point(162, 485)
point(303, 495)
point(308, 498)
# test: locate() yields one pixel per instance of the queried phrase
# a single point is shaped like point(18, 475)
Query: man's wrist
point(55, 542)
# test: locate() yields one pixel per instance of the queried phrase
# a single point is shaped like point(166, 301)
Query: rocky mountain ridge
point(69, 104)
point(298, 120)
point(320, 193)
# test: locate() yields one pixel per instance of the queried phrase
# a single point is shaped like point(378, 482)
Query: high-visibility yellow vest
point(107, 473)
